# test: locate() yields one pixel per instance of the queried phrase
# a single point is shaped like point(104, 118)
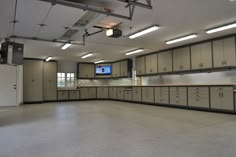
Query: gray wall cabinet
point(201, 56)
point(140, 65)
point(151, 64)
point(181, 59)
point(86, 70)
point(224, 52)
point(165, 62)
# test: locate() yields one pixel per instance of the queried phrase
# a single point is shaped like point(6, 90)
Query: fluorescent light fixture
point(99, 61)
point(48, 59)
point(134, 51)
point(109, 32)
point(65, 46)
point(182, 39)
point(87, 55)
point(222, 28)
point(146, 31)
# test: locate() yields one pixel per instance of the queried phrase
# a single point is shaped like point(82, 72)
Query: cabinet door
point(84, 93)
point(112, 92)
point(148, 94)
point(224, 52)
point(116, 69)
point(181, 59)
point(50, 81)
point(140, 65)
point(151, 64)
point(62, 95)
point(128, 95)
point(124, 68)
point(105, 93)
point(137, 94)
point(178, 96)
point(222, 98)
point(165, 62)
point(33, 80)
point(86, 70)
point(229, 52)
point(162, 95)
point(201, 56)
point(92, 92)
point(74, 95)
point(99, 93)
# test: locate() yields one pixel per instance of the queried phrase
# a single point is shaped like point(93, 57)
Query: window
point(61, 79)
point(70, 80)
point(65, 79)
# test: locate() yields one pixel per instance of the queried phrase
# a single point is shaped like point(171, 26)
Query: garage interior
point(123, 78)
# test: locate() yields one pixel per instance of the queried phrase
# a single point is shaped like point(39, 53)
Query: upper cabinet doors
point(116, 69)
point(151, 64)
point(165, 62)
point(86, 70)
point(140, 65)
point(201, 56)
point(224, 52)
point(181, 59)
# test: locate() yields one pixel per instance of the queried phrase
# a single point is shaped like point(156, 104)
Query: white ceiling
point(176, 18)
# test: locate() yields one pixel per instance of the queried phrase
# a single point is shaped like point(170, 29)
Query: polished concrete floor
point(114, 129)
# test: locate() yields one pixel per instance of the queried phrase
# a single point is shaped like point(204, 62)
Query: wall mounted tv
point(103, 70)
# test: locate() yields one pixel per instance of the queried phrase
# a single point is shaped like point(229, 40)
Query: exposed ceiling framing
point(86, 6)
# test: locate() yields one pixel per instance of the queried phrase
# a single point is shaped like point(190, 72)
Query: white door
point(8, 86)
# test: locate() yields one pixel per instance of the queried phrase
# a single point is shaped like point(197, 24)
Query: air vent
point(86, 19)
point(69, 33)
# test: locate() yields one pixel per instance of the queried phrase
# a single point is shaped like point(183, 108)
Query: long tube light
point(181, 39)
point(222, 28)
point(87, 55)
point(48, 58)
point(99, 61)
point(65, 46)
point(146, 31)
point(134, 51)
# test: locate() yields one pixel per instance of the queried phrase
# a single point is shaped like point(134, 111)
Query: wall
point(223, 77)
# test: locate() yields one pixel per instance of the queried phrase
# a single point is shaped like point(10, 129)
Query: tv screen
point(103, 70)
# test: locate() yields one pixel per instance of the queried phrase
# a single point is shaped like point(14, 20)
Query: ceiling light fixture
point(48, 58)
point(134, 51)
point(181, 39)
point(143, 32)
point(222, 28)
point(65, 46)
point(87, 55)
point(99, 61)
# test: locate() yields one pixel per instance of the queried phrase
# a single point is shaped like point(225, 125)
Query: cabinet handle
point(222, 94)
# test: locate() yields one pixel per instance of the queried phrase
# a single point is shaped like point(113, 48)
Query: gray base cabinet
point(74, 95)
point(128, 95)
point(178, 96)
point(112, 93)
point(63, 95)
point(199, 97)
point(148, 94)
point(102, 93)
point(137, 94)
point(162, 95)
point(88, 93)
point(120, 93)
point(222, 98)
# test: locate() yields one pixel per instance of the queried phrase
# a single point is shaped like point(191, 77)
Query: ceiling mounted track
point(130, 4)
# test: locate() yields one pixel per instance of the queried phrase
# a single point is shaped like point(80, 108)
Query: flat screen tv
point(103, 70)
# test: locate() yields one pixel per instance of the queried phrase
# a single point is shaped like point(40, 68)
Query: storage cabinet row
point(119, 69)
point(198, 97)
point(218, 53)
